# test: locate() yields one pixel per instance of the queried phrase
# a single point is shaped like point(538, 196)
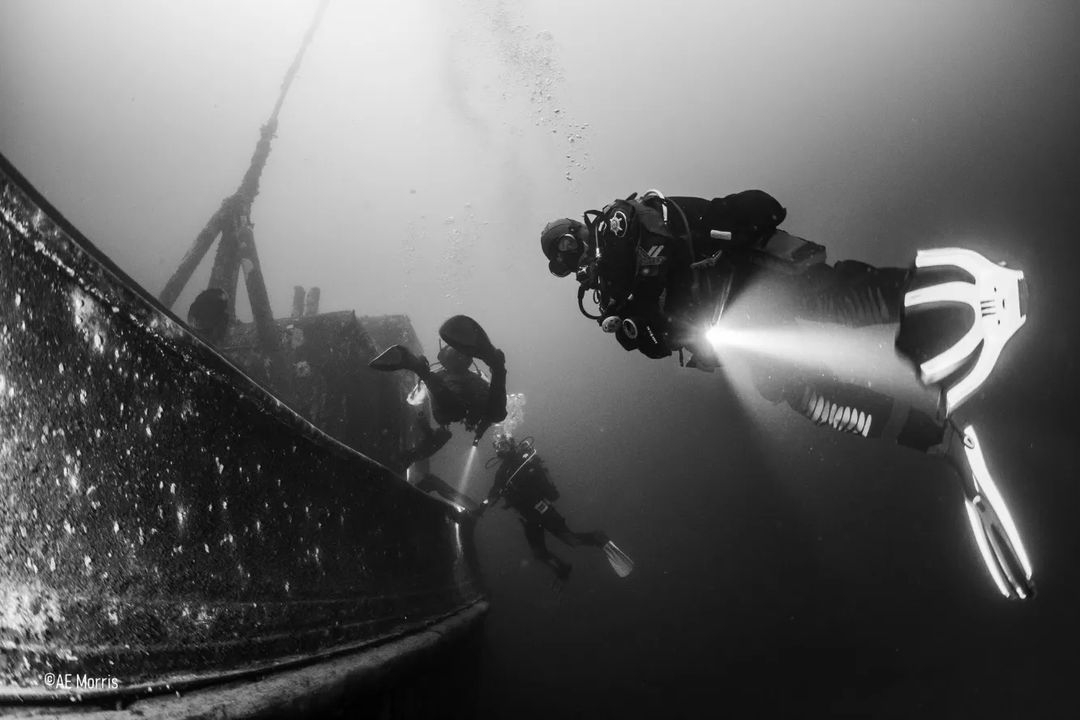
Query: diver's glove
point(496, 360)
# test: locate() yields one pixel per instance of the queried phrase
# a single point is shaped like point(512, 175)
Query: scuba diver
point(523, 483)
point(663, 270)
point(457, 392)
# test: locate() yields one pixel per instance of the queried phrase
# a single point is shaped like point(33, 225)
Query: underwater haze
point(781, 568)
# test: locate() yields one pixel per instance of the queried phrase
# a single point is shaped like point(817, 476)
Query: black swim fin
point(398, 357)
point(465, 335)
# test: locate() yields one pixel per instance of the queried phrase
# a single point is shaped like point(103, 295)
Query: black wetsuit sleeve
point(496, 399)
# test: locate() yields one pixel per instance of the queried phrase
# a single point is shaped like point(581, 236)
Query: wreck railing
point(164, 520)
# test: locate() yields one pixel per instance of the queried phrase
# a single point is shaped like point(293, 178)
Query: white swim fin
point(997, 296)
point(620, 561)
point(991, 524)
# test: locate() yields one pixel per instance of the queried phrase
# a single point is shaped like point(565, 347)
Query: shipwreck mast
point(232, 223)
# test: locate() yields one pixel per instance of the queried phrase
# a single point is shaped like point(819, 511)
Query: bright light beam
point(467, 472)
point(812, 344)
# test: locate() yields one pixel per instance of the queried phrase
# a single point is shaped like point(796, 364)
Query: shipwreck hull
point(165, 522)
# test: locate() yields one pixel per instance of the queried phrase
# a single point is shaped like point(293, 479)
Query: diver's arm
point(496, 398)
point(750, 215)
point(497, 489)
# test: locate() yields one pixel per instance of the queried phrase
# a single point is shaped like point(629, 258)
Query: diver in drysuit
point(457, 392)
point(662, 270)
point(523, 483)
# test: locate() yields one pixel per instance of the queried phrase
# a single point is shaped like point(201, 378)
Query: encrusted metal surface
point(163, 517)
point(328, 380)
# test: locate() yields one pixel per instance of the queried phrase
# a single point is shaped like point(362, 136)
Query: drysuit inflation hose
point(587, 280)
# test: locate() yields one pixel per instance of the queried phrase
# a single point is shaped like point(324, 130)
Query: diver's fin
point(398, 357)
point(620, 561)
point(997, 296)
point(465, 335)
point(991, 524)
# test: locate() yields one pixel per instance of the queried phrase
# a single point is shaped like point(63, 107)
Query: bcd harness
point(644, 223)
point(634, 244)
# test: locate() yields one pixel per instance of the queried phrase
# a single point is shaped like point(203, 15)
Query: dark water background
point(780, 568)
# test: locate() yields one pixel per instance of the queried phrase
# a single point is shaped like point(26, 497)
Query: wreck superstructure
point(193, 526)
point(166, 520)
point(325, 376)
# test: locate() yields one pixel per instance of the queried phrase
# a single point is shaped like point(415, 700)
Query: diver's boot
point(950, 288)
point(399, 357)
point(991, 524)
point(562, 570)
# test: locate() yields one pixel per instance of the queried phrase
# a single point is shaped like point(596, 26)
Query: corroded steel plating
point(165, 520)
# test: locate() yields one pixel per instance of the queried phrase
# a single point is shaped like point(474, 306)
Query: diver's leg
point(534, 534)
point(555, 524)
point(849, 408)
point(852, 293)
point(446, 405)
point(430, 441)
point(955, 311)
point(620, 562)
point(593, 538)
